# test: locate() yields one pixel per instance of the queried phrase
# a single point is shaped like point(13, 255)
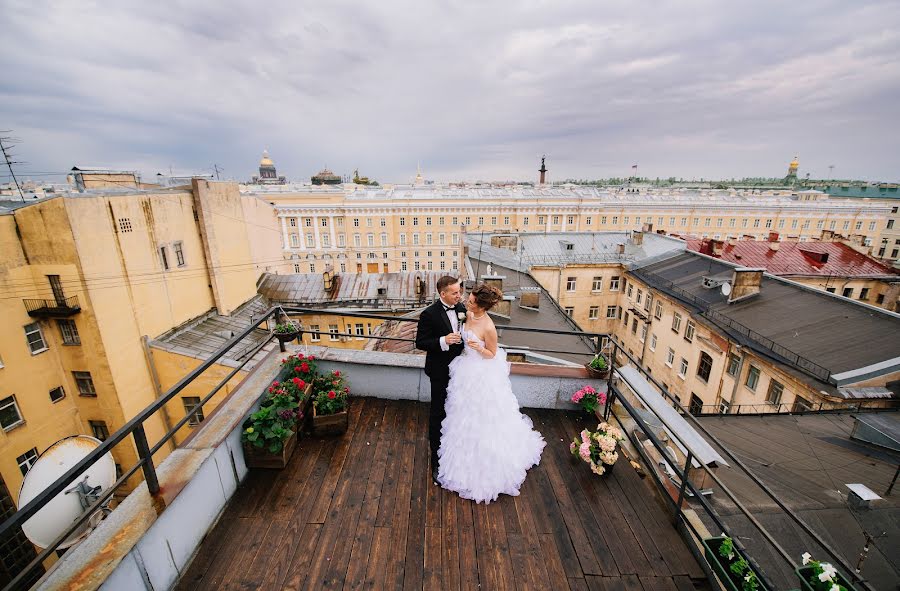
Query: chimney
point(716, 247)
point(493, 281)
point(648, 228)
point(745, 283)
point(773, 236)
point(827, 236)
point(530, 297)
point(637, 238)
point(620, 248)
point(773, 246)
point(732, 241)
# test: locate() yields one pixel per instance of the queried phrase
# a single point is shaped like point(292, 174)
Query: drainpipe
point(722, 375)
point(157, 387)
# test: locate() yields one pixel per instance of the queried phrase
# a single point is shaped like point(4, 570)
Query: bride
point(486, 443)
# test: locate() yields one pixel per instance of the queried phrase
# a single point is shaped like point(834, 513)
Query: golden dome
point(795, 162)
point(266, 161)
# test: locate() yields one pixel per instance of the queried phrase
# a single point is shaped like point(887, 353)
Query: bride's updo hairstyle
point(486, 296)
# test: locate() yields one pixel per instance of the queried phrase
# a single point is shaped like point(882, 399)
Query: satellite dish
point(66, 507)
point(726, 289)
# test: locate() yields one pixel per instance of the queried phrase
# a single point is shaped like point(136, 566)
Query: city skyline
point(476, 93)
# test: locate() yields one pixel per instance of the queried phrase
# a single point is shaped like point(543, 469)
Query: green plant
point(272, 425)
point(824, 576)
point(599, 363)
point(331, 401)
point(589, 399)
point(285, 328)
point(300, 366)
point(741, 573)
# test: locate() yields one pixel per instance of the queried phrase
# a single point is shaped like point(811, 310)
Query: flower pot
point(808, 572)
point(720, 565)
point(597, 374)
point(333, 424)
point(286, 337)
point(255, 457)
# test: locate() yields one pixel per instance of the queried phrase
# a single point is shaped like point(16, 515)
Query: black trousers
point(436, 415)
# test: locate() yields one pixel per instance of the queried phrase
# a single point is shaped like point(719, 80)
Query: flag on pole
point(634, 166)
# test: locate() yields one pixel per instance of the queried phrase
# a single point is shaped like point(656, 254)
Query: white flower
point(828, 572)
point(747, 578)
point(835, 587)
point(806, 558)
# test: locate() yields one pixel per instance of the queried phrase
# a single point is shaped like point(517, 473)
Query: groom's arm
point(426, 340)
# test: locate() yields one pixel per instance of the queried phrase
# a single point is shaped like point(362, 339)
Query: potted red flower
point(330, 405)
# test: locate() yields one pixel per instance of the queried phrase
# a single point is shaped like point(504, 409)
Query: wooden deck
point(360, 512)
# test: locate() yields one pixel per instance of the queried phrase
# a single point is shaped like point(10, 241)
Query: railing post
point(140, 440)
point(684, 479)
point(610, 394)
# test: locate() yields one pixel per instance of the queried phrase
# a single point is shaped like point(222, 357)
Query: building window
point(704, 367)
point(68, 331)
point(9, 413)
point(776, 389)
point(683, 368)
point(164, 258)
point(640, 296)
point(689, 331)
point(312, 267)
point(296, 267)
point(179, 254)
point(570, 311)
point(593, 312)
point(653, 342)
point(864, 293)
point(570, 283)
point(360, 330)
point(657, 311)
point(752, 377)
point(610, 311)
point(734, 362)
point(314, 333)
point(614, 283)
point(634, 325)
point(643, 336)
point(27, 460)
point(326, 240)
point(57, 394)
point(670, 356)
point(630, 290)
point(695, 407)
point(879, 299)
point(85, 383)
point(35, 338)
point(295, 241)
point(676, 322)
point(99, 430)
point(190, 403)
point(597, 284)
point(333, 332)
point(848, 292)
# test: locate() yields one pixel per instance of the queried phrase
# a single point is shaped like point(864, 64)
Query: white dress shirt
point(454, 324)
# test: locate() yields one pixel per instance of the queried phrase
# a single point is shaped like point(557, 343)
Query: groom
point(438, 335)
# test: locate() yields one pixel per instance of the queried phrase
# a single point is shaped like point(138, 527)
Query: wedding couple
point(481, 445)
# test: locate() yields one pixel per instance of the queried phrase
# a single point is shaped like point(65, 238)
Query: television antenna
point(65, 508)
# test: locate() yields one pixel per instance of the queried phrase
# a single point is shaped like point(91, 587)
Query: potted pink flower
point(589, 399)
point(598, 448)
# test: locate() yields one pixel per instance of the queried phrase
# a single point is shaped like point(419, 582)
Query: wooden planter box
point(806, 573)
point(330, 424)
point(720, 564)
point(261, 458)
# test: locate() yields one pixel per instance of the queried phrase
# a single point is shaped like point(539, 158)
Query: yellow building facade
point(86, 278)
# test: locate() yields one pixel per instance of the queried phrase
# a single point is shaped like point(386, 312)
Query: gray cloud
point(472, 90)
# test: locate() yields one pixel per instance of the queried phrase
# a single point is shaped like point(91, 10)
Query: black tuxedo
point(434, 323)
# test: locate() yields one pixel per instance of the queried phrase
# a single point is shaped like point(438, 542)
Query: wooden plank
point(210, 548)
point(577, 584)
point(260, 486)
point(645, 538)
point(605, 583)
point(483, 546)
point(416, 543)
point(433, 575)
point(319, 510)
point(400, 522)
point(298, 471)
point(219, 566)
point(392, 467)
point(377, 571)
point(537, 573)
point(309, 493)
point(470, 578)
point(287, 570)
point(660, 583)
point(253, 573)
point(250, 546)
point(450, 540)
point(684, 583)
point(500, 557)
point(633, 583)
point(510, 513)
point(553, 563)
point(518, 558)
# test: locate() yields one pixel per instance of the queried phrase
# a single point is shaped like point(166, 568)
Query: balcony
point(359, 510)
point(57, 308)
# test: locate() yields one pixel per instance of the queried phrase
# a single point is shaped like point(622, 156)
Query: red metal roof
point(797, 258)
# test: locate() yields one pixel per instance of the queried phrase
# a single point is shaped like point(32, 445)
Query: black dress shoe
point(434, 476)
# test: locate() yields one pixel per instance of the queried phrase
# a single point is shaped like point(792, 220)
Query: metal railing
point(798, 361)
point(63, 307)
point(781, 408)
point(686, 485)
point(135, 429)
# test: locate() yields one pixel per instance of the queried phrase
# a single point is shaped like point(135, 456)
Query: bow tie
point(447, 308)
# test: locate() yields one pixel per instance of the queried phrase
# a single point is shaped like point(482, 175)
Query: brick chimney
point(530, 297)
point(716, 247)
point(745, 283)
point(773, 236)
point(637, 237)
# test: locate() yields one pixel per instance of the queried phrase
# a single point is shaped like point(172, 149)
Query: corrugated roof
point(353, 289)
point(793, 258)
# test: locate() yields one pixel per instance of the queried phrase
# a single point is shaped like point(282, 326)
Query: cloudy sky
point(471, 90)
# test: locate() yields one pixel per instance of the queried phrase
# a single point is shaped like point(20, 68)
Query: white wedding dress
point(486, 443)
